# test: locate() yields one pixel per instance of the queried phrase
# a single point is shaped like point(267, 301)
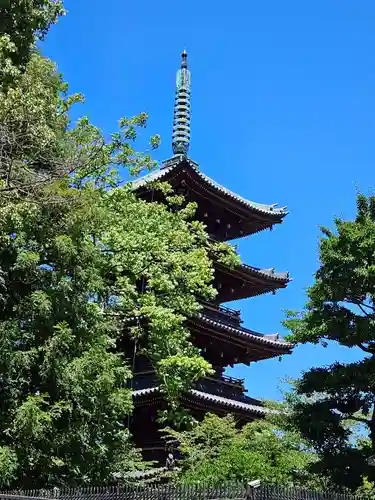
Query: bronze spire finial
point(181, 119)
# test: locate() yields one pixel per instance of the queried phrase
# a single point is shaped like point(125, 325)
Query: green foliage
point(225, 254)
point(366, 490)
point(216, 450)
point(39, 146)
point(33, 130)
point(22, 22)
point(64, 392)
point(79, 257)
point(341, 309)
point(8, 465)
point(71, 274)
point(177, 372)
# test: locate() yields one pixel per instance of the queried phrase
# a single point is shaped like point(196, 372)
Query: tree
point(81, 259)
point(80, 255)
point(22, 22)
point(216, 450)
point(35, 143)
point(70, 274)
point(63, 382)
point(341, 309)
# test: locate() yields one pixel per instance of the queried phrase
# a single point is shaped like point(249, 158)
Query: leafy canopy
point(80, 255)
point(216, 450)
point(341, 309)
point(35, 144)
point(81, 259)
point(22, 22)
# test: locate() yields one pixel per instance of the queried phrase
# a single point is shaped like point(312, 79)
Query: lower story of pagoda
point(219, 335)
point(221, 396)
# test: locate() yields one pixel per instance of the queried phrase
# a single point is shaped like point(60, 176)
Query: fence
point(230, 491)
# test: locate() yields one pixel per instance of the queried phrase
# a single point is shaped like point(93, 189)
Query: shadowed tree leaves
point(340, 308)
point(33, 128)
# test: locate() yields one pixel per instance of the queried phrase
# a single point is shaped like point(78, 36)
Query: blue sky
point(283, 110)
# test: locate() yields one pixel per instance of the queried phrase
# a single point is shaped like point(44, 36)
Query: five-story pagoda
point(217, 331)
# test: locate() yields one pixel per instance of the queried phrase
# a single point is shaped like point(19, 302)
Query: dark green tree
point(341, 309)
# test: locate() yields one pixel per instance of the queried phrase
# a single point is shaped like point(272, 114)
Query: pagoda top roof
point(273, 212)
point(230, 404)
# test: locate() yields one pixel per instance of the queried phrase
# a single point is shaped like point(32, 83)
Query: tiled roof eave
point(281, 277)
point(281, 347)
point(230, 403)
point(255, 337)
point(269, 210)
point(159, 175)
point(212, 398)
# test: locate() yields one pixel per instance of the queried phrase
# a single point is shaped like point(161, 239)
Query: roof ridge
point(176, 161)
point(260, 337)
point(232, 403)
point(269, 272)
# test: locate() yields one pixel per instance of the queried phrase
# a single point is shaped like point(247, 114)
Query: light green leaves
point(178, 372)
point(32, 419)
point(22, 22)
point(8, 465)
point(216, 450)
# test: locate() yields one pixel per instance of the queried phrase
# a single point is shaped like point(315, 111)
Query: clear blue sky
point(283, 110)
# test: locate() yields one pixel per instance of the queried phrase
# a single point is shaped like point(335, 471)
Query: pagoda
point(217, 330)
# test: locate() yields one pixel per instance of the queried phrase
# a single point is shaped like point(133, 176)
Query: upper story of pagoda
point(226, 215)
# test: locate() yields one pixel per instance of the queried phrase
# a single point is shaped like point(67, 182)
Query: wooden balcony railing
point(149, 375)
point(233, 380)
point(238, 383)
point(222, 313)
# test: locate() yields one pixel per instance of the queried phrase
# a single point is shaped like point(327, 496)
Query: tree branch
point(366, 349)
point(372, 425)
point(364, 312)
point(369, 307)
point(357, 419)
point(362, 305)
